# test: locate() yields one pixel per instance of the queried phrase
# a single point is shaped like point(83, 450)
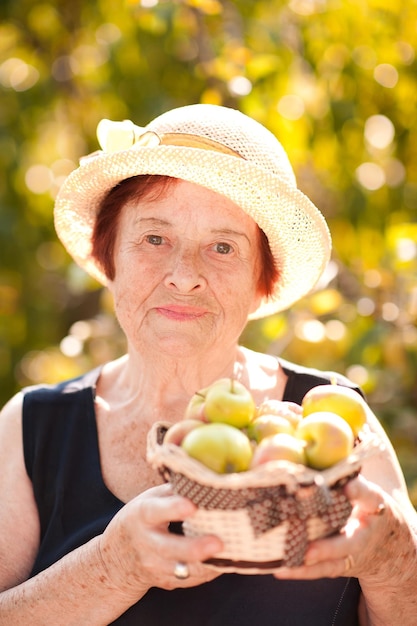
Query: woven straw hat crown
point(219, 148)
point(230, 128)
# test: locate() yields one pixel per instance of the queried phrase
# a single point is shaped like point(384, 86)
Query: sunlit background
point(335, 81)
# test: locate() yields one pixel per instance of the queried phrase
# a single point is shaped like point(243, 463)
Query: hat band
point(151, 139)
point(121, 136)
point(118, 136)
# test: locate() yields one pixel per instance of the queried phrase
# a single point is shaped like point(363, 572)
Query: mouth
point(181, 313)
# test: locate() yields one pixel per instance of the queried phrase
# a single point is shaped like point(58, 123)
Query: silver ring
point(181, 570)
point(349, 563)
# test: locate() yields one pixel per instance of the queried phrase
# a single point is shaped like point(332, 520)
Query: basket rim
point(291, 475)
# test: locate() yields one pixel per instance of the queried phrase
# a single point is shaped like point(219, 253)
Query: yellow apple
point(338, 399)
point(328, 437)
point(290, 410)
point(280, 447)
point(266, 425)
point(220, 447)
point(176, 433)
point(230, 402)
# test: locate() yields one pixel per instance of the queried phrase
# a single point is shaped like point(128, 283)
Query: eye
point(223, 248)
point(154, 240)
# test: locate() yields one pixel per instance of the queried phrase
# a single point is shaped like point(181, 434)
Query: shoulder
point(301, 379)
point(10, 416)
point(12, 467)
point(60, 391)
point(288, 380)
point(322, 377)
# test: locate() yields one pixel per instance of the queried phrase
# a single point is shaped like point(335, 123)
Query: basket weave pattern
point(265, 517)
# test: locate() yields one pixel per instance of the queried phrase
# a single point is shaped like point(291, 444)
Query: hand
point(375, 521)
point(139, 552)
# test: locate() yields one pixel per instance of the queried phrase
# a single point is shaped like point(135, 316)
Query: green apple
point(220, 447)
point(289, 410)
point(176, 433)
point(338, 399)
point(266, 425)
point(230, 402)
point(280, 447)
point(328, 437)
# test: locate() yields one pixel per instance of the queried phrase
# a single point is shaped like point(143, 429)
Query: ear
point(257, 299)
point(107, 298)
point(109, 285)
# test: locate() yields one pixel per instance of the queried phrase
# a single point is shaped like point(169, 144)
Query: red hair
point(153, 187)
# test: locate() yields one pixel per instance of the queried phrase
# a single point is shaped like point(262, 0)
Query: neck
point(162, 386)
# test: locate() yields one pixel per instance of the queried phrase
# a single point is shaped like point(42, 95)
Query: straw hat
point(219, 148)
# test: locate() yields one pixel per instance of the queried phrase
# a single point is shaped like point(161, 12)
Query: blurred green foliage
point(335, 81)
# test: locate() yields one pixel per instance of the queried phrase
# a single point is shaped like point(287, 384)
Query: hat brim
point(297, 232)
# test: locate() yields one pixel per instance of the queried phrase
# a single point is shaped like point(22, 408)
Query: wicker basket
point(266, 516)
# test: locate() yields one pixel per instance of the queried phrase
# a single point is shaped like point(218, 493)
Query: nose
point(185, 274)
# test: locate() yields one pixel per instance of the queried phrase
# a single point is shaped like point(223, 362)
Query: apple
point(338, 399)
point(280, 447)
point(290, 410)
point(195, 406)
point(220, 447)
point(328, 437)
point(176, 433)
point(267, 425)
point(230, 402)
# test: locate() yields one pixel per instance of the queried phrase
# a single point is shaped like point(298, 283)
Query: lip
point(180, 312)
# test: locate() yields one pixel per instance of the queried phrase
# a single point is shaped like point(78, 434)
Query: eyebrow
point(230, 231)
point(151, 220)
point(216, 231)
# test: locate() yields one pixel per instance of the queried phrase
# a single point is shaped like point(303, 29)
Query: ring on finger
point(181, 570)
point(380, 509)
point(348, 562)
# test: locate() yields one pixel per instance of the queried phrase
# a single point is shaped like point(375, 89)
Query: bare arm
point(389, 581)
point(383, 547)
point(96, 583)
point(19, 523)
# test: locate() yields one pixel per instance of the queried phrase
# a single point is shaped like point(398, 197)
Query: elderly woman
point(195, 224)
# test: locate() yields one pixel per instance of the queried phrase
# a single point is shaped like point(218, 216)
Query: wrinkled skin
point(187, 267)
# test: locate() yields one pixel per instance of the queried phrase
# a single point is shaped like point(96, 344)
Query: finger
point(160, 490)
point(197, 574)
point(161, 510)
point(186, 549)
point(157, 513)
point(331, 568)
point(369, 509)
point(366, 497)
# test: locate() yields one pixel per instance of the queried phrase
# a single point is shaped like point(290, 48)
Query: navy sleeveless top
point(62, 459)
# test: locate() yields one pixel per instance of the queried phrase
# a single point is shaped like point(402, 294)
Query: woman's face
point(186, 270)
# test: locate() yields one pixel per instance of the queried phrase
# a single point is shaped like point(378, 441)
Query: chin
point(179, 345)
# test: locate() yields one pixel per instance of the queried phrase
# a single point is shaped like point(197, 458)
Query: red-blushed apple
point(267, 425)
point(344, 401)
point(280, 447)
point(220, 447)
point(176, 433)
point(195, 407)
point(328, 437)
point(228, 401)
point(290, 410)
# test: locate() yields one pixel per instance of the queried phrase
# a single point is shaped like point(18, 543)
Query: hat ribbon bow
point(118, 136)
